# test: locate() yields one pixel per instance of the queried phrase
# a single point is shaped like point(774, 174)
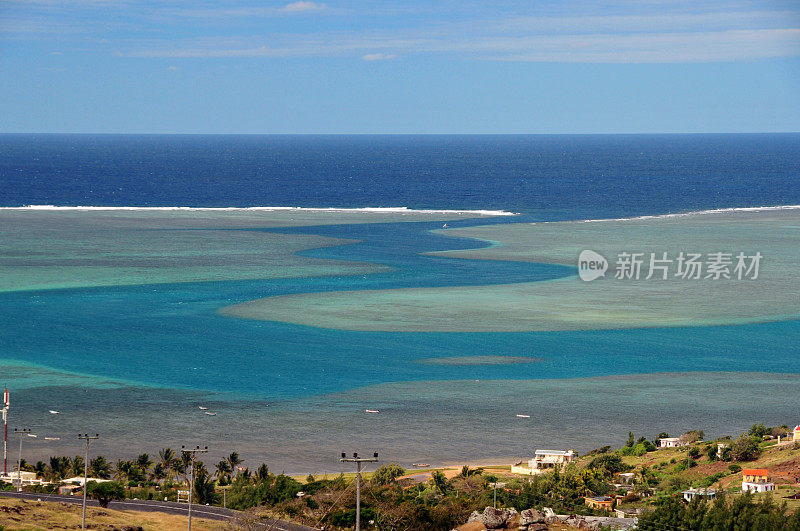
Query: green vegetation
point(653, 481)
point(105, 492)
point(741, 512)
point(387, 473)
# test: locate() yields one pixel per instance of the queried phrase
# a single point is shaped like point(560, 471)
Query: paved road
point(199, 511)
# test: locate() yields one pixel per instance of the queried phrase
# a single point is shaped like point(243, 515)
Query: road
point(200, 511)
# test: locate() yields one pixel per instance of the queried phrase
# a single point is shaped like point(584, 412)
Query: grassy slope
point(31, 515)
point(781, 462)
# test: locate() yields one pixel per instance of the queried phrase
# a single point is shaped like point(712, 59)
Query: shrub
point(692, 436)
point(105, 492)
point(734, 468)
point(607, 464)
point(711, 452)
point(387, 473)
point(745, 448)
point(758, 430)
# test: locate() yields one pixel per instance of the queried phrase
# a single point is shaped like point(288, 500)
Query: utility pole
point(88, 438)
point(22, 433)
point(358, 461)
point(5, 432)
point(193, 452)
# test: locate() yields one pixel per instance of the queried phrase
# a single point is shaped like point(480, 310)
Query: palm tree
point(262, 474)
point(77, 466)
point(440, 482)
point(234, 461)
point(143, 462)
point(166, 458)
point(59, 466)
point(158, 473)
point(100, 468)
point(41, 469)
point(203, 484)
point(223, 471)
point(127, 471)
point(182, 465)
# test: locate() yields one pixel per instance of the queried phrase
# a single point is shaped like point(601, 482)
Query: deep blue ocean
point(170, 336)
point(554, 176)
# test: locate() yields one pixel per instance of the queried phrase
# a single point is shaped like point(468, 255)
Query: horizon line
point(663, 133)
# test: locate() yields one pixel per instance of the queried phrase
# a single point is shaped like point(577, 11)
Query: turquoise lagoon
point(134, 356)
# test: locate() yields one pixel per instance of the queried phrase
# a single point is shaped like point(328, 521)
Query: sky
point(410, 66)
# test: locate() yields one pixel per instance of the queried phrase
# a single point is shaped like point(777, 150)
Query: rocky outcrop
point(533, 520)
point(531, 516)
point(492, 518)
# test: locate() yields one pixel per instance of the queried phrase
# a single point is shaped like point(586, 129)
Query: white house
point(551, 458)
point(756, 480)
point(669, 442)
point(543, 460)
point(720, 448)
point(78, 480)
point(27, 478)
point(693, 493)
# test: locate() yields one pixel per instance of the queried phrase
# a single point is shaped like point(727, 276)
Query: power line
point(358, 461)
point(88, 438)
point(193, 453)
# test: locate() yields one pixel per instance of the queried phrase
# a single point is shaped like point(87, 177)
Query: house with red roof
point(756, 480)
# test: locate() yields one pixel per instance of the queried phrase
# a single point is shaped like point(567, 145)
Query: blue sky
point(410, 66)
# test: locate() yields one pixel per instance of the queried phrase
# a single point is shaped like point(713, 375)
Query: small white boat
point(211, 414)
point(53, 412)
point(523, 416)
point(372, 410)
point(421, 465)
point(444, 226)
point(52, 438)
point(202, 407)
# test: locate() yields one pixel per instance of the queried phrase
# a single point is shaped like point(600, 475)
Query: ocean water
point(129, 359)
point(553, 176)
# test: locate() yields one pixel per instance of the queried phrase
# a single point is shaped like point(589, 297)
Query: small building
point(522, 468)
point(720, 448)
point(602, 503)
point(693, 493)
point(796, 434)
point(27, 478)
point(669, 442)
point(629, 512)
point(69, 490)
point(78, 480)
point(756, 480)
point(626, 478)
point(545, 459)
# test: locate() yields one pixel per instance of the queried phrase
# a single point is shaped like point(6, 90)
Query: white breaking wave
point(378, 210)
point(701, 213)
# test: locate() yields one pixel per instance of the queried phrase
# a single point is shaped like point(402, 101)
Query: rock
point(548, 512)
point(494, 518)
point(474, 517)
point(531, 516)
point(512, 522)
point(472, 526)
point(537, 527)
point(575, 521)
